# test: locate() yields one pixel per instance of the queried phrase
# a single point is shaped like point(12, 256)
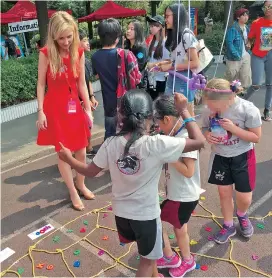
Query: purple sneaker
point(224, 234)
point(245, 226)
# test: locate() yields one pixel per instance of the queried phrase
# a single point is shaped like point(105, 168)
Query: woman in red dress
point(60, 115)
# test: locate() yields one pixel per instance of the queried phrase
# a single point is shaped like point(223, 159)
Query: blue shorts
point(180, 87)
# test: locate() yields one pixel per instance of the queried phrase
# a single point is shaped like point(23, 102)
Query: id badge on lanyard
point(72, 105)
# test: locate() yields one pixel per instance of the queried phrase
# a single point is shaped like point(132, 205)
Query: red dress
point(71, 129)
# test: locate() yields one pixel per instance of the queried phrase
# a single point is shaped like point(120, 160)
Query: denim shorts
point(180, 87)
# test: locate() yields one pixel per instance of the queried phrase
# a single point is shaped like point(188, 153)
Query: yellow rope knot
point(59, 250)
point(97, 226)
point(270, 213)
point(32, 247)
point(95, 211)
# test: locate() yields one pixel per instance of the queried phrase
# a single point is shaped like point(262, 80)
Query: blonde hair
point(218, 89)
point(59, 23)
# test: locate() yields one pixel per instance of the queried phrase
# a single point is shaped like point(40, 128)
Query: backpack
point(204, 54)
point(128, 72)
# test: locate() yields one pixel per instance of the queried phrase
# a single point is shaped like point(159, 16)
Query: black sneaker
point(266, 116)
point(91, 152)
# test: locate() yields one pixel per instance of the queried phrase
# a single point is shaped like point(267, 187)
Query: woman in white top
point(156, 53)
point(181, 50)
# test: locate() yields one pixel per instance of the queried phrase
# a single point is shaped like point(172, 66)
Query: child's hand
point(65, 154)
point(180, 102)
point(227, 124)
point(165, 67)
point(211, 139)
point(93, 103)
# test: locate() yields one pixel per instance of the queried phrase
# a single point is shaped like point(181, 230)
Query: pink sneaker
point(183, 269)
point(172, 263)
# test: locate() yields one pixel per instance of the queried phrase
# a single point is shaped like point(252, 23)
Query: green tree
point(163, 5)
point(78, 7)
point(194, 4)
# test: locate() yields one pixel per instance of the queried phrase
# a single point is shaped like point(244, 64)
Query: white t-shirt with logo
point(135, 178)
point(180, 188)
point(243, 114)
point(179, 55)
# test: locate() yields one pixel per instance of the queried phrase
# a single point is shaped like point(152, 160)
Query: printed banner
point(23, 26)
point(193, 15)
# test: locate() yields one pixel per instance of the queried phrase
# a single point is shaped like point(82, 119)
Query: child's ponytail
point(135, 109)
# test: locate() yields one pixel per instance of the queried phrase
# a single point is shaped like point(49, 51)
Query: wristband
point(38, 110)
point(188, 120)
point(92, 96)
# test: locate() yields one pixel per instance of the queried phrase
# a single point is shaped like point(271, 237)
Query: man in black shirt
point(10, 48)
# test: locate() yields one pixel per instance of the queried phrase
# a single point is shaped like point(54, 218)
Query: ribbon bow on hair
point(234, 86)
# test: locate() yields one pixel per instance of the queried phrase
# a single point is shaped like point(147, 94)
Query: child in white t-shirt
point(135, 161)
point(182, 189)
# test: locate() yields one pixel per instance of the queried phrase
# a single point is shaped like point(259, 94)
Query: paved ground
point(34, 195)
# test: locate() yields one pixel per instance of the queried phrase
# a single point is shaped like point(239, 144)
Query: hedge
point(19, 79)
point(214, 39)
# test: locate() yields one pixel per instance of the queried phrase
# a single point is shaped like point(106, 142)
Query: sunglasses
point(265, 8)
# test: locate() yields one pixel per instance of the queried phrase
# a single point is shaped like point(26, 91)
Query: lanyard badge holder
point(217, 130)
point(72, 107)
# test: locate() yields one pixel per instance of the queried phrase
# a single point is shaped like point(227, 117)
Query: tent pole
point(25, 41)
point(25, 44)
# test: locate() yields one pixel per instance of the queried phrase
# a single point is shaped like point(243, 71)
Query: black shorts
point(147, 234)
point(239, 170)
point(177, 213)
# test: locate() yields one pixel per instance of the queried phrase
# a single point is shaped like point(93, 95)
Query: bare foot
point(88, 194)
point(77, 203)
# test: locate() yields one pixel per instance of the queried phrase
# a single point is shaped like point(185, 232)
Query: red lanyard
point(67, 80)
